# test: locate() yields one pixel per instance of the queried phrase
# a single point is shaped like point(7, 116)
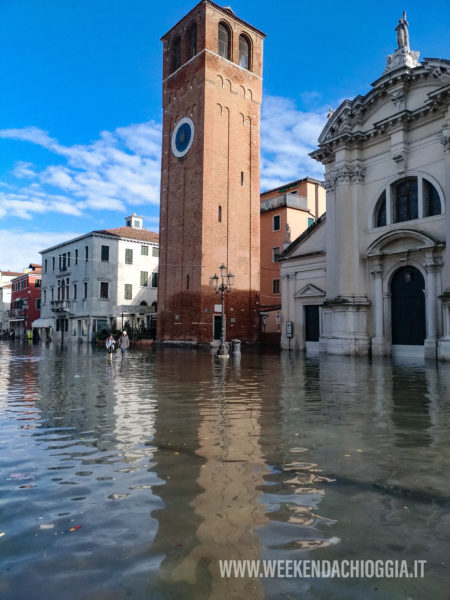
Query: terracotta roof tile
point(132, 233)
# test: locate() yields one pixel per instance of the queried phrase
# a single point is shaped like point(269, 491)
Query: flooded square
point(132, 478)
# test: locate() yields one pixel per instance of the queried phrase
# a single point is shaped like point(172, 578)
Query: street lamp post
point(223, 287)
point(25, 317)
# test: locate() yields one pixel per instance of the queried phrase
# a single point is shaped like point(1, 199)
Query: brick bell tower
point(209, 214)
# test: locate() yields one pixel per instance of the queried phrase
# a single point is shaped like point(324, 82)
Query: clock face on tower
point(182, 137)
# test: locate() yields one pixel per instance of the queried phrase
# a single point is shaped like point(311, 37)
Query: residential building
point(25, 300)
point(374, 275)
point(212, 88)
point(5, 297)
point(286, 212)
point(106, 279)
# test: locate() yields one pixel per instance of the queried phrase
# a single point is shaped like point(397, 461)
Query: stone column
point(432, 269)
point(346, 313)
point(389, 212)
point(285, 309)
point(446, 323)
point(444, 342)
point(378, 341)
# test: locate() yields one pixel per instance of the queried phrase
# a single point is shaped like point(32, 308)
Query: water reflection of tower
point(221, 507)
point(176, 464)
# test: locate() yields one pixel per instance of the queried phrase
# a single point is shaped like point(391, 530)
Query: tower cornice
point(224, 11)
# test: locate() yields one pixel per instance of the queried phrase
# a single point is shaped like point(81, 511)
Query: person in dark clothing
point(124, 342)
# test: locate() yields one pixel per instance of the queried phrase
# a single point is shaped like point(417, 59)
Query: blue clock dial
point(182, 137)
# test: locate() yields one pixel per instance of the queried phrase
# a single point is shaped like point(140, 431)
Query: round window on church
point(182, 137)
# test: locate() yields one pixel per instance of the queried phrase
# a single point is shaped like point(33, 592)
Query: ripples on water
point(132, 479)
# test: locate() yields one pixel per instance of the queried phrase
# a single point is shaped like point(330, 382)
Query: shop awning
point(42, 323)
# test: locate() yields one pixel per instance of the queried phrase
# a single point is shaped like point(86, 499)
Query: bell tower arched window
point(191, 36)
point(244, 52)
point(223, 44)
point(175, 54)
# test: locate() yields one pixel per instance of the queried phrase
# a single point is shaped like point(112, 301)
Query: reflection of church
point(374, 274)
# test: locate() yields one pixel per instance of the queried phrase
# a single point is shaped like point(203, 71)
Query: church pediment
point(401, 95)
point(337, 123)
point(309, 290)
point(400, 241)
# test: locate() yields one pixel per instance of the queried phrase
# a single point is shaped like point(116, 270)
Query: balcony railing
point(289, 200)
point(60, 305)
point(17, 312)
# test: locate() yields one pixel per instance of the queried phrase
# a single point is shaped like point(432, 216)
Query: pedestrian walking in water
point(124, 342)
point(110, 344)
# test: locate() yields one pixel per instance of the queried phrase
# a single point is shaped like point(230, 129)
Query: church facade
point(373, 275)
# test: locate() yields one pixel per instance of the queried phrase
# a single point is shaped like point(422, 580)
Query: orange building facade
point(210, 205)
point(286, 212)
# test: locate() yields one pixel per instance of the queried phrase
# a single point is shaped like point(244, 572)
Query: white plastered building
point(102, 280)
point(376, 269)
point(5, 297)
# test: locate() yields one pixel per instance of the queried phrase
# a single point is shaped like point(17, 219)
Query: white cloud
point(33, 200)
point(141, 139)
point(30, 134)
point(288, 135)
point(58, 176)
point(13, 255)
point(120, 170)
point(117, 172)
point(23, 170)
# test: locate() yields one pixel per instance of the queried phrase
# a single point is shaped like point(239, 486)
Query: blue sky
point(80, 104)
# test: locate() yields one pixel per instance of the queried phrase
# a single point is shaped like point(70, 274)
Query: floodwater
point(132, 479)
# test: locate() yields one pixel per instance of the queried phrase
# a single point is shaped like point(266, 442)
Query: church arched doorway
point(408, 307)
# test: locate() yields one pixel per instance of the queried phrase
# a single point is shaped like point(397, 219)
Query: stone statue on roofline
point(402, 32)
point(403, 56)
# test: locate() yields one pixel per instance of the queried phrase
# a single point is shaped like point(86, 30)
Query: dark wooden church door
point(408, 307)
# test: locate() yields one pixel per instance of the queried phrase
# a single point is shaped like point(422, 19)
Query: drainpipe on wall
point(317, 200)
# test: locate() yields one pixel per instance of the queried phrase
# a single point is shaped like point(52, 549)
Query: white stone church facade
point(376, 268)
